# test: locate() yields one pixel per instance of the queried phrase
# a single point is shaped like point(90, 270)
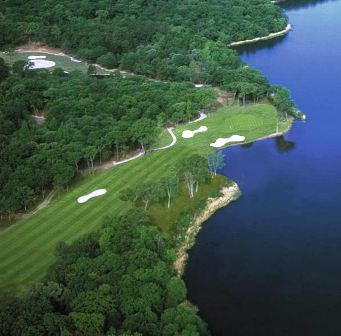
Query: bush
point(108, 60)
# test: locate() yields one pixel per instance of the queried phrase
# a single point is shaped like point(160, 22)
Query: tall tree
point(215, 161)
point(144, 131)
point(170, 185)
point(194, 170)
point(4, 69)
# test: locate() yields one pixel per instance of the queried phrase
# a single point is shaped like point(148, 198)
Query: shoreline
point(263, 38)
point(229, 194)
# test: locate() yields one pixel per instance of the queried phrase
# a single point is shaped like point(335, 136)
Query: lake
point(270, 263)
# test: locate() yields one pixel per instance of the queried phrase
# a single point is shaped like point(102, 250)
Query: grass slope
point(26, 249)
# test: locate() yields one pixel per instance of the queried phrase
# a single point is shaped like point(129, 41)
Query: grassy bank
point(26, 249)
point(164, 217)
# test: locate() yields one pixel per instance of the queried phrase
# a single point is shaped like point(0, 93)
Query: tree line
point(178, 41)
point(118, 280)
point(87, 120)
point(191, 171)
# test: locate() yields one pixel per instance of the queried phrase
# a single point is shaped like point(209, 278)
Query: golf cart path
point(202, 116)
point(111, 164)
point(170, 131)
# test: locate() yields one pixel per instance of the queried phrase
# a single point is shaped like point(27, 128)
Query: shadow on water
point(297, 4)
point(247, 145)
point(284, 145)
point(254, 47)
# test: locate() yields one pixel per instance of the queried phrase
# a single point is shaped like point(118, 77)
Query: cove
point(270, 263)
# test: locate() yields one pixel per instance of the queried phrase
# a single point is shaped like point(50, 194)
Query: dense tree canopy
point(87, 120)
point(117, 281)
point(174, 40)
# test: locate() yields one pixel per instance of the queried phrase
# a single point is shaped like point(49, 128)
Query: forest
point(179, 41)
point(87, 120)
point(118, 280)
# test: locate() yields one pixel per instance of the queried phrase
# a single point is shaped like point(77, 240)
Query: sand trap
point(36, 57)
point(190, 134)
point(95, 193)
point(223, 141)
point(40, 64)
point(75, 60)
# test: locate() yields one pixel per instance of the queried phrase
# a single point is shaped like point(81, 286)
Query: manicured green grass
point(164, 139)
point(164, 217)
point(26, 248)
point(61, 61)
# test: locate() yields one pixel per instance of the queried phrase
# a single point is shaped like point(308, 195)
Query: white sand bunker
point(93, 194)
point(40, 64)
point(75, 60)
point(36, 57)
point(190, 134)
point(223, 141)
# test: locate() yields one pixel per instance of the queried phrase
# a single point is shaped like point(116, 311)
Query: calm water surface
point(270, 264)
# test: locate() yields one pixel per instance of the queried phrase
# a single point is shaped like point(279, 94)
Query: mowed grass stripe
point(71, 220)
point(95, 214)
point(20, 264)
point(26, 250)
point(71, 198)
point(97, 206)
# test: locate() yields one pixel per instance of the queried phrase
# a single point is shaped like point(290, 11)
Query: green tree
point(176, 292)
point(4, 69)
point(170, 185)
point(108, 60)
point(19, 67)
point(144, 131)
point(92, 69)
point(62, 174)
point(194, 170)
point(88, 324)
point(215, 162)
point(148, 192)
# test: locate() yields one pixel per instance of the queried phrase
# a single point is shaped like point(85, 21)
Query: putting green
point(26, 248)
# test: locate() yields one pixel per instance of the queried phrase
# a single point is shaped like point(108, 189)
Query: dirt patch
point(40, 47)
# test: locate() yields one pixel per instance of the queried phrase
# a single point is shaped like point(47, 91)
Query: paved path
point(170, 131)
point(202, 116)
point(107, 165)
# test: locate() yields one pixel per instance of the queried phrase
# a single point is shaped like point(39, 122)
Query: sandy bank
point(264, 38)
point(229, 194)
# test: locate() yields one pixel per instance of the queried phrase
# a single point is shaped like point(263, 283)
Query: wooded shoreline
point(228, 195)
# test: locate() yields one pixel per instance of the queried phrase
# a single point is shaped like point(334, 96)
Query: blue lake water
point(270, 263)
